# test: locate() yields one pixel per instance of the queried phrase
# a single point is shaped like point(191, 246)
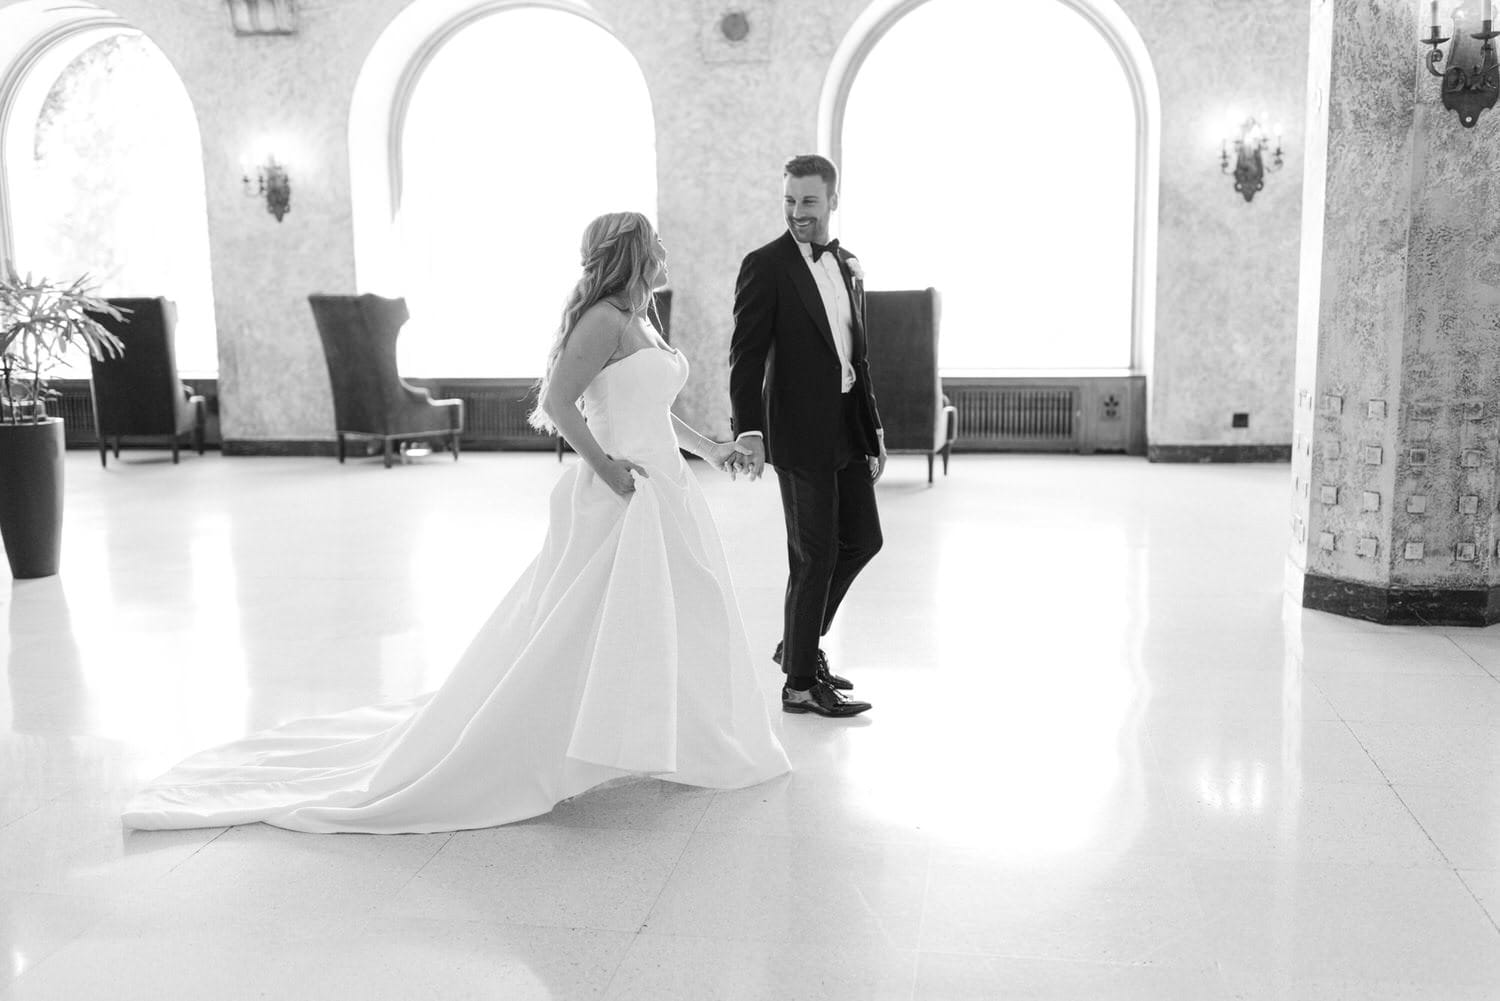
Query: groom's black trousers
point(832, 531)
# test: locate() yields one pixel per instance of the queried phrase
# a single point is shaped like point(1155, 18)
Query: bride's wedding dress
point(619, 651)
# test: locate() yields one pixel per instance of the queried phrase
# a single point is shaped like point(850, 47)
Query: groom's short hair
point(810, 164)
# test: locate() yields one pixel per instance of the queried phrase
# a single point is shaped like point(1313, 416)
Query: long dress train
point(619, 651)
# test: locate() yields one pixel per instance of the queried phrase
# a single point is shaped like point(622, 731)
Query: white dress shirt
point(830, 280)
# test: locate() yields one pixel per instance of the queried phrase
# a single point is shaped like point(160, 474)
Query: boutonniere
point(855, 268)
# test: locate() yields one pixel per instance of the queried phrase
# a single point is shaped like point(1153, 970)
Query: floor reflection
point(1106, 758)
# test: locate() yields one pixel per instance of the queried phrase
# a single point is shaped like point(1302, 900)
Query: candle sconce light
point(1250, 166)
point(1471, 77)
point(269, 180)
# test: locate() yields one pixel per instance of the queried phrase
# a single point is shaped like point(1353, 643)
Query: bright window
point(522, 128)
point(989, 152)
point(109, 182)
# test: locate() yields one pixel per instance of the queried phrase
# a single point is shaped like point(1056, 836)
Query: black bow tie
point(819, 249)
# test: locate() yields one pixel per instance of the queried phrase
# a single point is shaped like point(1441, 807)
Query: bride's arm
point(715, 452)
point(590, 345)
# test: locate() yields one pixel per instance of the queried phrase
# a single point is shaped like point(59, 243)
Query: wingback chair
point(369, 398)
point(902, 328)
point(137, 394)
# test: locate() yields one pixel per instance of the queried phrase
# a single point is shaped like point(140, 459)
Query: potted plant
point(41, 321)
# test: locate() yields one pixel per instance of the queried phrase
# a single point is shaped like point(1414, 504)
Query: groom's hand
point(877, 462)
point(753, 460)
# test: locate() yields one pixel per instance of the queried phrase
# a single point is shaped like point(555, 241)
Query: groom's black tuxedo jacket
point(784, 373)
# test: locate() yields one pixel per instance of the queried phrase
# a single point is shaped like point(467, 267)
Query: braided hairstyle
point(619, 257)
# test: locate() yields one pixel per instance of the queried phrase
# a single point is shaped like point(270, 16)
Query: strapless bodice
point(628, 406)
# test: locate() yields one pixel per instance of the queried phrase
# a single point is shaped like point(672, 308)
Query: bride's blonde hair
point(619, 258)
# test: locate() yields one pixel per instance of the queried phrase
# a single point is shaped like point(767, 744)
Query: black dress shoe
point(823, 699)
point(823, 674)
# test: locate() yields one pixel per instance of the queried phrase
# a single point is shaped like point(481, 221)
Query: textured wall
point(1401, 467)
point(288, 94)
point(1226, 301)
point(1226, 316)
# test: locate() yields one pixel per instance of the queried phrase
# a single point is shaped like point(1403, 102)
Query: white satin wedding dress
point(619, 651)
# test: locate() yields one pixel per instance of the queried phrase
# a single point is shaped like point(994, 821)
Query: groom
point(799, 384)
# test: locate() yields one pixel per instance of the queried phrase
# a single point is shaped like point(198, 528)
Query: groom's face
point(808, 205)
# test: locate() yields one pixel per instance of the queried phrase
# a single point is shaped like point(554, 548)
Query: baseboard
point(1407, 606)
point(279, 446)
point(1219, 453)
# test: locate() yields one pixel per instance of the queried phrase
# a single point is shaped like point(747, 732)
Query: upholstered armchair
point(137, 394)
point(902, 328)
point(369, 398)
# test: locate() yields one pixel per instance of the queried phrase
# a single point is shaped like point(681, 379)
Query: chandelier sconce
point(1471, 77)
point(269, 180)
point(1250, 167)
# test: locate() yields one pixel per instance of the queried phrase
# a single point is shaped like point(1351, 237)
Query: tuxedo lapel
point(807, 289)
point(856, 291)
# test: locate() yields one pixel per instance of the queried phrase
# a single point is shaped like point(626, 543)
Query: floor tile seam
point(662, 888)
point(1461, 649)
point(1391, 785)
point(1422, 827)
point(195, 852)
point(78, 935)
point(23, 816)
point(1490, 918)
point(425, 863)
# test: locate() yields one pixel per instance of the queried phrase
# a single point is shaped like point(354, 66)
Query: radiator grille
point(1016, 416)
point(994, 414)
point(495, 413)
point(77, 411)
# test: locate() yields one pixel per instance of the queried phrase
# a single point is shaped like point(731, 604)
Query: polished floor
point(1107, 759)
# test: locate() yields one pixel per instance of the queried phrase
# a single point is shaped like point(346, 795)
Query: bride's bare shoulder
point(600, 322)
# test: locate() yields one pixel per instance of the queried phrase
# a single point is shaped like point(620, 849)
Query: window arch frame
point(379, 105)
point(76, 28)
point(877, 19)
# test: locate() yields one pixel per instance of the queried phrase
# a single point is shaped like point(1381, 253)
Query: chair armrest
point(950, 416)
point(417, 394)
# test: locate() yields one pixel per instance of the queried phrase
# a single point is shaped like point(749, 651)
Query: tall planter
point(31, 496)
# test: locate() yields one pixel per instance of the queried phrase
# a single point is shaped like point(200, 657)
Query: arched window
point(524, 125)
point(1008, 184)
point(104, 169)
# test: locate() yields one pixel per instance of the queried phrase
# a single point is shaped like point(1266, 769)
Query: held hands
point(726, 456)
point(749, 457)
point(616, 475)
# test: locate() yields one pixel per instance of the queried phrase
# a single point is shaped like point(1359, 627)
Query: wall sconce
point(263, 17)
point(1250, 167)
point(1467, 91)
point(270, 180)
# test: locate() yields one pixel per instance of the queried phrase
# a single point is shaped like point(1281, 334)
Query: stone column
point(1398, 362)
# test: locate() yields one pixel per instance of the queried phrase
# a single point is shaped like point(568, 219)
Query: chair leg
point(174, 450)
point(103, 451)
point(117, 446)
point(455, 446)
point(947, 451)
point(559, 448)
point(929, 468)
point(388, 445)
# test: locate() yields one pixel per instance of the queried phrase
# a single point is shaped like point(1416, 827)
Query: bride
point(620, 650)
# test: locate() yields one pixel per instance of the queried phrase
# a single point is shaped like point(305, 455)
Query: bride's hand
point(724, 455)
point(616, 475)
